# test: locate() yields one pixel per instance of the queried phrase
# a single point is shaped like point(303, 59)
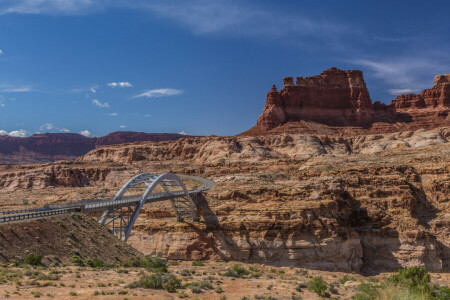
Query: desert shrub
point(156, 264)
point(415, 279)
point(196, 290)
point(185, 272)
point(33, 259)
point(72, 293)
point(97, 263)
point(198, 263)
point(133, 285)
point(153, 281)
point(365, 291)
point(77, 260)
point(237, 272)
point(218, 289)
point(318, 286)
point(172, 284)
point(346, 278)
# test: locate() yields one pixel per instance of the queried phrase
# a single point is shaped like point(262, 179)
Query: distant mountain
point(48, 147)
point(337, 101)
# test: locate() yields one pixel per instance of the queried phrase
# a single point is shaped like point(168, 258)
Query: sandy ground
point(87, 283)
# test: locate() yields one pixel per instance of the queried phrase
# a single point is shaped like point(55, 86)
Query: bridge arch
point(174, 190)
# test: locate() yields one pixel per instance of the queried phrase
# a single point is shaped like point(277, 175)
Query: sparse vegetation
point(237, 272)
point(33, 259)
point(318, 286)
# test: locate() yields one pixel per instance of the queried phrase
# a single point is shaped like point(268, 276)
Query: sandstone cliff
point(338, 101)
point(367, 203)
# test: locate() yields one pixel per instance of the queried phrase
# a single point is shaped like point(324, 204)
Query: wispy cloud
point(94, 88)
point(1, 52)
point(113, 114)
point(407, 72)
point(97, 103)
point(46, 126)
point(120, 84)
point(183, 132)
point(159, 93)
point(50, 127)
point(86, 133)
point(9, 88)
point(199, 16)
point(122, 126)
point(51, 7)
point(401, 91)
point(147, 116)
point(15, 133)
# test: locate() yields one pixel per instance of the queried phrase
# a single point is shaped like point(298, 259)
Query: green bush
point(33, 259)
point(318, 286)
point(172, 284)
point(415, 279)
point(153, 281)
point(198, 263)
point(77, 260)
point(237, 272)
point(98, 263)
point(366, 291)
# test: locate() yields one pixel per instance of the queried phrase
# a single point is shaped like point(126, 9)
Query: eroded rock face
point(436, 97)
point(338, 101)
point(334, 97)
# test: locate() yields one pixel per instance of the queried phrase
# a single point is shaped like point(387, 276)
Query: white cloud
point(9, 88)
point(1, 52)
point(86, 133)
point(409, 72)
point(159, 93)
point(18, 133)
point(401, 91)
point(147, 116)
point(51, 7)
point(122, 126)
point(4, 132)
point(183, 132)
point(113, 114)
point(46, 126)
point(64, 130)
point(94, 88)
point(120, 84)
point(100, 104)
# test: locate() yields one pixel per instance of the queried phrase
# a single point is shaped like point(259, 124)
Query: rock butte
point(338, 101)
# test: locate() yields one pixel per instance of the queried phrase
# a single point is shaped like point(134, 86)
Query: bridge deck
point(97, 205)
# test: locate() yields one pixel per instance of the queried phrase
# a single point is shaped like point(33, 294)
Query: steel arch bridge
point(120, 213)
point(174, 190)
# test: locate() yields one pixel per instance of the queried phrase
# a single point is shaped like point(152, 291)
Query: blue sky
point(201, 66)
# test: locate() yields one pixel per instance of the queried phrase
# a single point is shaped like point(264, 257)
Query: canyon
point(326, 180)
point(367, 204)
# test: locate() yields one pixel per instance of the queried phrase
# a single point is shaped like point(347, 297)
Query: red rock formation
point(436, 97)
point(334, 97)
point(339, 101)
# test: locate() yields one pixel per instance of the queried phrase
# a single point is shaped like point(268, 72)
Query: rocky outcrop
point(338, 101)
point(436, 97)
point(40, 148)
point(334, 97)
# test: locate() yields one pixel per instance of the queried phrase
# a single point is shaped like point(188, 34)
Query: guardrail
point(36, 214)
